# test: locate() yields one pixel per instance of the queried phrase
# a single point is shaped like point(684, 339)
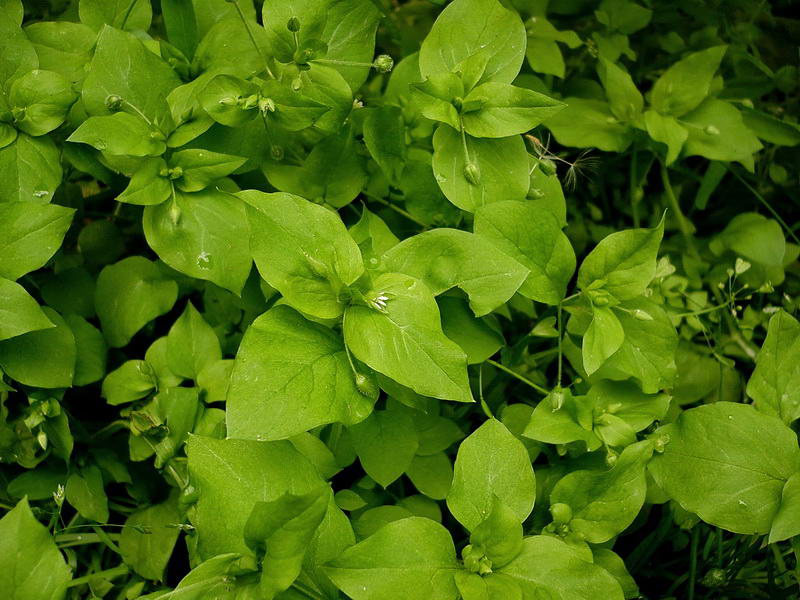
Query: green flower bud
point(561, 513)
point(249, 103)
point(383, 63)
point(366, 386)
point(611, 458)
point(266, 105)
point(18, 114)
point(175, 173)
point(641, 315)
point(547, 166)
point(458, 102)
point(535, 194)
point(276, 152)
point(660, 442)
point(293, 24)
point(297, 84)
point(472, 173)
point(114, 102)
point(175, 213)
point(715, 578)
point(229, 101)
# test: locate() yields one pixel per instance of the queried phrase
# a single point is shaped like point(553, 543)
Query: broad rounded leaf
point(491, 462)
point(727, 463)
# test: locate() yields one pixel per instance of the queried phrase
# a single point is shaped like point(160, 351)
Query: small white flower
point(379, 301)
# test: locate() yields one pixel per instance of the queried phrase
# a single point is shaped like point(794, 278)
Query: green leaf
point(668, 131)
point(770, 129)
point(315, 179)
point(133, 380)
point(201, 168)
point(686, 83)
point(85, 491)
point(203, 235)
point(479, 338)
point(43, 358)
point(727, 463)
point(130, 294)
point(311, 16)
point(399, 334)
point(446, 258)
point(350, 36)
point(30, 170)
point(385, 138)
point(120, 134)
point(614, 564)
point(432, 475)
point(290, 376)
point(148, 186)
point(786, 523)
point(499, 536)
point(436, 98)
point(291, 109)
point(775, 382)
point(475, 29)
point(122, 14)
point(19, 312)
point(502, 110)
point(534, 238)
point(29, 235)
point(43, 99)
point(223, 99)
point(543, 53)
point(717, 132)
point(605, 503)
point(31, 566)
point(415, 555)
point(17, 54)
point(502, 168)
point(149, 537)
point(181, 25)
point(587, 123)
point(303, 250)
point(624, 100)
point(237, 474)
point(647, 353)
point(62, 46)
point(215, 577)
point(191, 344)
point(571, 422)
point(386, 443)
point(123, 66)
point(373, 236)
point(547, 567)
point(602, 339)
point(623, 264)
point(282, 530)
point(491, 462)
point(90, 362)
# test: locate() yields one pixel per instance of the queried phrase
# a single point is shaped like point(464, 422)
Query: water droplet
point(203, 260)
point(40, 193)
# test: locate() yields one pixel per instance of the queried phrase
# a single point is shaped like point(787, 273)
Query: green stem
point(396, 209)
point(693, 562)
point(82, 539)
point(560, 349)
point(485, 407)
point(683, 225)
point(342, 63)
point(252, 37)
point(516, 375)
point(107, 574)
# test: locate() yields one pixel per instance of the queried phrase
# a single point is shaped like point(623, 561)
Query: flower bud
point(383, 63)
point(472, 173)
point(114, 102)
point(561, 513)
point(293, 24)
point(547, 166)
